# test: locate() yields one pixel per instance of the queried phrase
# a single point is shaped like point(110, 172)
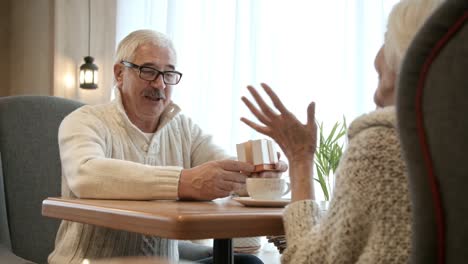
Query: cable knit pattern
point(369, 219)
point(104, 156)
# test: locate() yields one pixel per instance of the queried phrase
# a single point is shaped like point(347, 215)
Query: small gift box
point(260, 152)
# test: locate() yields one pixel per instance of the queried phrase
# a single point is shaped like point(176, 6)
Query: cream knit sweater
point(369, 216)
point(105, 156)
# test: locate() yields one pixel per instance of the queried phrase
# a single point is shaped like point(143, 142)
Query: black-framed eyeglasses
point(150, 74)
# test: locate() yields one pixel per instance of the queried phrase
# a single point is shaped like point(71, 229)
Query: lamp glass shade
point(88, 74)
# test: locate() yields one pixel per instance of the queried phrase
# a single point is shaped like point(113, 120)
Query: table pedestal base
point(222, 251)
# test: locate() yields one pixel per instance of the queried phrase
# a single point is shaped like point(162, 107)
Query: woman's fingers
point(275, 99)
point(264, 106)
point(256, 127)
point(255, 111)
point(311, 114)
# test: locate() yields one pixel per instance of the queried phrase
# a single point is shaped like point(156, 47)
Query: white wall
point(31, 47)
point(4, 47)
point(43, 42)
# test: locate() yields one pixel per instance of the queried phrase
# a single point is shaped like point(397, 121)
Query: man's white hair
point(128, 45)
point(404, 21)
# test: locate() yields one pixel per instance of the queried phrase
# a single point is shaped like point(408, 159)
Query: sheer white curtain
point(305, 49)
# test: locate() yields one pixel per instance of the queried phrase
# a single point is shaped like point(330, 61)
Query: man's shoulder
point(184, 125)
point(178, 123)
point(89, 112)
point(93, 109)
point(183, 120)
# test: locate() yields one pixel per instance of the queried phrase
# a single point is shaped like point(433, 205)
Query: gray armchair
point(432, 106)
point(30, 171)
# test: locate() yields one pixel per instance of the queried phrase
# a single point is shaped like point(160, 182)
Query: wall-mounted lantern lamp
point(89, 70)
point(88, 74)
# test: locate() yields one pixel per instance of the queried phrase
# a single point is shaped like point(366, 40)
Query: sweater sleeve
point(90, 174)
point(342, 234)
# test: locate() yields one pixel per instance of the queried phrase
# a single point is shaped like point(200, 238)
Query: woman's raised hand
point(298, 141)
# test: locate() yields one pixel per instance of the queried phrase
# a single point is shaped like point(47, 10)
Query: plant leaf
point(328, 154)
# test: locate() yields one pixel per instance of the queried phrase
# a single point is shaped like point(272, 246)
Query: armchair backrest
point(432, 110)
point(31, 170)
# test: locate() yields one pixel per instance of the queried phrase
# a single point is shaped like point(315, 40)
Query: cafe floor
point(268, 253)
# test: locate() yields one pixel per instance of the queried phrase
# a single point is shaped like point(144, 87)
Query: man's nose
point(159, 82)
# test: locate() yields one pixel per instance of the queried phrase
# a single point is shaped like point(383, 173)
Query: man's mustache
point(154, 94)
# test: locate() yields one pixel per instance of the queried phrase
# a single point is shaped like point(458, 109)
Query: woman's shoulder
point(373, 150)
point(383, 117)
point(373, 141)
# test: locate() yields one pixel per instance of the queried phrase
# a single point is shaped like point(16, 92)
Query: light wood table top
point(222, 218)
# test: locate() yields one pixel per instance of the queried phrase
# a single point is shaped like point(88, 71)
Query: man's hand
point(280, 167)
point(214, 179)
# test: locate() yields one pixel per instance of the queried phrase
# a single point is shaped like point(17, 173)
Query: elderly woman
point(369, 219)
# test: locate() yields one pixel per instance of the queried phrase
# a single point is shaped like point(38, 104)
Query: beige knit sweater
point(105, 156)
point(369, 216)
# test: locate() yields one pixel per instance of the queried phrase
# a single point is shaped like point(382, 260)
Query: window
point(304, 49)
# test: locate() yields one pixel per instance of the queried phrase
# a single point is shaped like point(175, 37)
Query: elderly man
point(138, 147)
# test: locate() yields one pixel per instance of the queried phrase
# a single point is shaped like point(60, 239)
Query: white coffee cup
point(267, 188)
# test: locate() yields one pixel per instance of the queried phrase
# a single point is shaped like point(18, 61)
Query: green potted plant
point(329, 150)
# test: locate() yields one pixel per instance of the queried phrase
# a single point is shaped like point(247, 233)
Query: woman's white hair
point(404, 21)
point(128, 45)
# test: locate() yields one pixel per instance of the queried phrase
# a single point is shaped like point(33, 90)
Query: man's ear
point(118, 74)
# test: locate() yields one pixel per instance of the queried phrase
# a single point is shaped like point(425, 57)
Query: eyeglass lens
point(150, 74)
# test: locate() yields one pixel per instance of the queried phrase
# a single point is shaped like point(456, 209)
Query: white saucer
point(248, 201)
